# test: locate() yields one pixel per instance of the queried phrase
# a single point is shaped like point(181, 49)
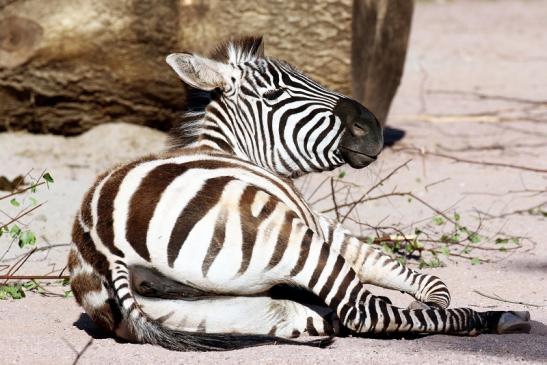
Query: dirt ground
point(474, 88)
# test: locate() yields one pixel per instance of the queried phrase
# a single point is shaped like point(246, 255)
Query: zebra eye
point(273, 94)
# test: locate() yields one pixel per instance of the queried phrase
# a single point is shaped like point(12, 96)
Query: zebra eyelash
point(273, 94)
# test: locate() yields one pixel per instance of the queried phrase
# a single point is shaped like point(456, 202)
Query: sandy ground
point(492, 49)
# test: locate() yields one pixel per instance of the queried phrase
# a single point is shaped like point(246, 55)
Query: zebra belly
point(211, 228)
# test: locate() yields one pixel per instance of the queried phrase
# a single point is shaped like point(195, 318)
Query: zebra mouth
point(356, 159)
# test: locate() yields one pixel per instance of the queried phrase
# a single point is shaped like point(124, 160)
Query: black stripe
point(321, 262)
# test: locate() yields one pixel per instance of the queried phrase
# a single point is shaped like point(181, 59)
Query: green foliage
point(48, 178)
point(27, 238)
point(18, 290)
point(438, 220)
point(25, 200)
point(432, 263)
point(14, 291)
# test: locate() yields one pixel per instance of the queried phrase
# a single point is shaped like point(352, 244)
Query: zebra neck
point(211, 137)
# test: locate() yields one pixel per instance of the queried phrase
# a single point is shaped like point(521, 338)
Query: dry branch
point(423, 151)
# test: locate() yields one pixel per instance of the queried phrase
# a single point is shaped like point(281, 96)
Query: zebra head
point(265, 111)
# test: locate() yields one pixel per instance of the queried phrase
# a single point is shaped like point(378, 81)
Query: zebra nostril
point(358, 130)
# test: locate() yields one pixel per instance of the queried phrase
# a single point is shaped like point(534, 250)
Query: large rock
point(67, 65)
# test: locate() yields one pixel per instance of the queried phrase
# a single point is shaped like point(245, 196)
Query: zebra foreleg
point(374, 267)
point(327, 274)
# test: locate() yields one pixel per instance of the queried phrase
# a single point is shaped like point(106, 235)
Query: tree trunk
point(381, 29)
point(67, 65)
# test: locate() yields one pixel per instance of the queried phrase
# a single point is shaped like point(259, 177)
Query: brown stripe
point(85, 209)
point(144, 202)
point(219, 237)
point(105, 207)
point(204, 200)
point(282, 239)
point(213, 164)
point(251, 224)
point(86, 248)
point(304, 252)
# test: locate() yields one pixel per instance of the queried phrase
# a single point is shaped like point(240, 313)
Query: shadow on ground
point(531, 347)
point(85, 323)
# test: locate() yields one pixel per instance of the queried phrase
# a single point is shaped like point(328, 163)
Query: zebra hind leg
point(91, 292)
point(181, 307)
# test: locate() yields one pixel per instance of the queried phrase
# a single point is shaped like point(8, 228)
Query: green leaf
point(14, 202)
point(15, 231)
point(475, 261)
point(12, 291)
point(445, 251)
point(502, 241)
point(515, 240)
point(48, 178)
point(466, 250)
point(457, 216)
point(31, 285)
point(474, 238)
point(68, 293)
point(27, 238)
point(438, 220)
point(33, 200)
point(370, 240)
point(342, 174)
point(409, 248)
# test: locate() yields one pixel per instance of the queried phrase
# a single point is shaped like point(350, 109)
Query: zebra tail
point(141, 328)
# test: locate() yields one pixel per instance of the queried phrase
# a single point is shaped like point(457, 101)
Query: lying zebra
point(202, 247)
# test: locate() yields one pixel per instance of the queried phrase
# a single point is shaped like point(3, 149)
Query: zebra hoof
point(514, 322)
point(417, 305)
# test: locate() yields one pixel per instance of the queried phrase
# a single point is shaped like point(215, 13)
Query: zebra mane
point(234, 51)
point(239, 50)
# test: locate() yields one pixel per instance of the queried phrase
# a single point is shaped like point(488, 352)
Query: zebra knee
point(433, 291)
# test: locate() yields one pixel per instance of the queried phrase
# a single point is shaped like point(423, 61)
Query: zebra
point(209, 246)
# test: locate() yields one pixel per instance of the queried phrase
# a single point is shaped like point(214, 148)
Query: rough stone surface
point(71, 65)
point(66, 66)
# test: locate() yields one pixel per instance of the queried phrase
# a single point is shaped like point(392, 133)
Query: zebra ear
point(199, 72)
